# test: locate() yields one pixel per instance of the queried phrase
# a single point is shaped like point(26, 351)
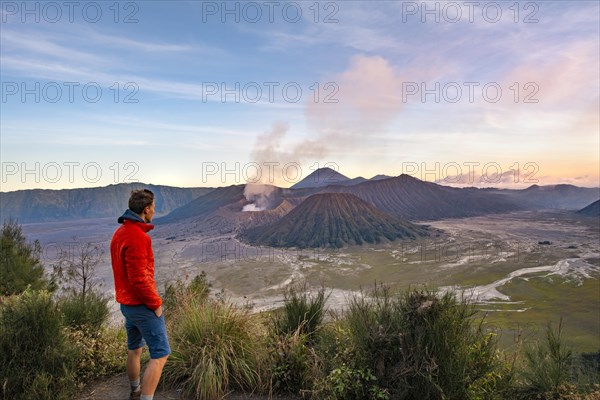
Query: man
point(135, 288)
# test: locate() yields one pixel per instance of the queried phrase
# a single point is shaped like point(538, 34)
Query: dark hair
point(140, 199)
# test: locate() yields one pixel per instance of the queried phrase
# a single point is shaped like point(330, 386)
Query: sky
point(216, 93)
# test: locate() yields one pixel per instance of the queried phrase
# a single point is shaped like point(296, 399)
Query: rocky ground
point(117, 388)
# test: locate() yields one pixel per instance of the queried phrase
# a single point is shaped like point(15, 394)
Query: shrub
point(375, 332)
point(551, 371)
point(80, 312)
point(178, 293)
point(548, 364)
point(215, 348)
point(75, 269)
point(587, 372)
point(444, 354)
point(100, 353)
point(342, 378)
point(20, 265)
point(36, 359)
point(101, 350)
point(301, 312)
point(292, 339)
point(347, 383)
point(292, 363)
point(422, 345)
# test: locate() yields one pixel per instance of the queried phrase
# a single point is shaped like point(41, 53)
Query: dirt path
point(117, 388)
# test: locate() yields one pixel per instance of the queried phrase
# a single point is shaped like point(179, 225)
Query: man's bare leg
point(152, 375)
point(133, 364)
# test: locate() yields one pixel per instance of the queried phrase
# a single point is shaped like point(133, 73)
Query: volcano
point(593, 210)
point(332, 220)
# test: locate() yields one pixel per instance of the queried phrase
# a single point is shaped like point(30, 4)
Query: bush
point(347, 383)
point(215, 348)
point(292, 339)
point(422, 345)
point(20, 265)
point(342, 378)
point(374, 324)
point(100, 353)
point(80, 312)
point(301, 312)
point(36, 359)
point(101, 350)
point(178, 293)
point(551, 371)
point(548, 365)
point(292, 363)
point(444, 354)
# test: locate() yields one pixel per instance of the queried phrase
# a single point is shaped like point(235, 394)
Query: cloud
point(493, 176)
point(515, 179)
point(366, 96)
point(146, 46)
point(566, 79)
point(356, 26)
point(40, 45)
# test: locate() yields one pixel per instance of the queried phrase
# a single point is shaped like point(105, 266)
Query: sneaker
point(135, 395)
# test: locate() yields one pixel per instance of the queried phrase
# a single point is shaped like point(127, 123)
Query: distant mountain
point(206, 204)
point(564, 197)
point(410, 198)
point(332, 220)
point(42, 205)
point(593, 210)
point(354, 181)
point(380, 177)
point(321, 178)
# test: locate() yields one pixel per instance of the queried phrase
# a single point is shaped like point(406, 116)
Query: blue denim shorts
point(144, 327)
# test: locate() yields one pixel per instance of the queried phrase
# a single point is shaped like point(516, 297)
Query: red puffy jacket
point(133, 265)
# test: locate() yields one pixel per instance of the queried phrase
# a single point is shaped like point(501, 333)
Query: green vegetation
point(421, 344)
point(37, 360)
point(292, 337)
point(417, 344)
point(538, 299)
point(100, 352)
point(216, 347)
point(50, 347)
point(301, 312)
point(20, 265)
point(551, 370)
point(292, 362)
point(179, 293)
point(78, 312)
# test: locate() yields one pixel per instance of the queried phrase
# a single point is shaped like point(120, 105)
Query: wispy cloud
point(118, 41)
point(20, 43)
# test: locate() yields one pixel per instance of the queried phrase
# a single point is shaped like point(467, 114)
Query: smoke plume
point(260, 196)
point(362, 100)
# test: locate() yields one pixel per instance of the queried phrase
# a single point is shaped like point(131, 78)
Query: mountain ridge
point(402, 196)
point(47, 205)
point(409, 198)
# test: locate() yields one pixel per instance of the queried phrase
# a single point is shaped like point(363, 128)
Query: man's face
point(149, 212)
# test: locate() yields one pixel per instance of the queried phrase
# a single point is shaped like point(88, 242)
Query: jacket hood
point(129, 215)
